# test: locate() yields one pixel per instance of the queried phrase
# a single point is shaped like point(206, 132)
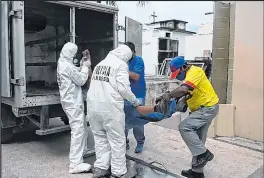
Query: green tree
point(114, 3)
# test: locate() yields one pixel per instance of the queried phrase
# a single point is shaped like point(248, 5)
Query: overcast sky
point(190, 11)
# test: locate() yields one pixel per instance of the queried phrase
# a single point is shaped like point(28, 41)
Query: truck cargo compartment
point(47, 28)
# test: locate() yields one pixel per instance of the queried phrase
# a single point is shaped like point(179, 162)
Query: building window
point(168, 35)
point(181, 26)
point(162, 44)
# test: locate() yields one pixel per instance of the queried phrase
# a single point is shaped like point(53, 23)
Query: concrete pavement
point(32, 156)
point(165, 145)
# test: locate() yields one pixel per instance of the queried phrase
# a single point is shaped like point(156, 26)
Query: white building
point(200, 44)
point(163, 39)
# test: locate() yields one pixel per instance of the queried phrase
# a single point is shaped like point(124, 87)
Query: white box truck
point(32, 35)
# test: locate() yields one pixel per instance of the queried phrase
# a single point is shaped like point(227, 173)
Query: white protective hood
point(123, 52)
point(68, 51)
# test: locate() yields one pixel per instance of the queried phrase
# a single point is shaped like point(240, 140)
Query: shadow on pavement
point(58, 144)
point(27, 134)
point(141, 170)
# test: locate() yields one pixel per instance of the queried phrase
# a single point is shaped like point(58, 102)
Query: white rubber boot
point(80, 168)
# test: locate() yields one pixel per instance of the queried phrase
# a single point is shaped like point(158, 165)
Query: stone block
point(220, 87)
point(229, 95)
point(225, 120)
point(230, 74)
point(221, 10)
point(231, 53)
point(231, 63)
point(221, 43)
point(221, 32)
point(220, 53)
point(220, 68)
point(229, 85)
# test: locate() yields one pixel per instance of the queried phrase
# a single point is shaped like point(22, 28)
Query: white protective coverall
point(70, 79)
point(105, 109)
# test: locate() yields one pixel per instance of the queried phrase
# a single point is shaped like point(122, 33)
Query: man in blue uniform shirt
point(138, 87)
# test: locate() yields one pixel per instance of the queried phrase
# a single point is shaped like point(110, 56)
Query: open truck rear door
point(5, 46)
point(134, 34)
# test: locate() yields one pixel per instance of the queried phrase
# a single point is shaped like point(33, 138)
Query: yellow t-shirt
point(202, 91)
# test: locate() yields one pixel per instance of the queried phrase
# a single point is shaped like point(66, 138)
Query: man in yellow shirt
point(203, 102)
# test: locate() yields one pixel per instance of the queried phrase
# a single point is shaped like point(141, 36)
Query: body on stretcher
point(134, 118)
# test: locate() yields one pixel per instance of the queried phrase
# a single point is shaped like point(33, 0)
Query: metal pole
point(208, 13)
point(115, 34)
point(1, 94)
point(72, 25)
point(18, 46)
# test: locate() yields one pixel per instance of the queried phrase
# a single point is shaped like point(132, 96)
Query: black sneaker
point(123, 176)
point(202, 159)
point(131, 171)
point(100, 173)
point(127, 144)
point(191, 174)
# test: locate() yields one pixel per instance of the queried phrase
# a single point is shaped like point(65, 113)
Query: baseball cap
point(175, 66)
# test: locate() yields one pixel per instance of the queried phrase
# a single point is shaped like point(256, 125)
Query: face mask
point(181, 76)
point(133, 55)
point(129, 60)
point(76, 62)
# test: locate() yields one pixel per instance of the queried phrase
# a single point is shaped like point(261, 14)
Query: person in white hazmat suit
point(70, 79)
point(105, 110)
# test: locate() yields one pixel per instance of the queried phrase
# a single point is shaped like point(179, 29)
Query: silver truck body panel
point(31, 51)
point(134, 34)
point(88, 5)
point(5, 72)
point(19, 98)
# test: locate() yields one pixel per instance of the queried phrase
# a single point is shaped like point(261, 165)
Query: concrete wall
point(150, 51)
point(247, 87)
point(223, 124)
point(243, 65)
point(181, 37)
point(203, 40)
point(156, 86)
point(196, 44)
point(150, 46)
point(231, 53)
point(220, 49)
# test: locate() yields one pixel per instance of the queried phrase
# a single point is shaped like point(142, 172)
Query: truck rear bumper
point(35, 101)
